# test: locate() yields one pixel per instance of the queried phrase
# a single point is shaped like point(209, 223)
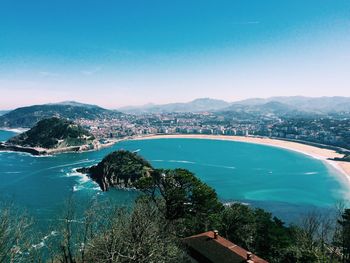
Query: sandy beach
point(315, 152)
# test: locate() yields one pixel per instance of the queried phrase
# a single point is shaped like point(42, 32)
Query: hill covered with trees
point(53, 133)
point(27, 117)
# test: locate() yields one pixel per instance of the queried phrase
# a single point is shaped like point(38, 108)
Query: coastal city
point(331, 130)
point(175, 131)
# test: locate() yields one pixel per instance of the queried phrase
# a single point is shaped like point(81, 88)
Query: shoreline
point(321, 154)
point(15, 130)
point(37, 151)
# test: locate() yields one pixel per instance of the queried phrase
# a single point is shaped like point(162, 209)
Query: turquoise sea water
point(283, 182)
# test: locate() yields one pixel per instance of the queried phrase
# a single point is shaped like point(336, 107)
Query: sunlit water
point(281, 181)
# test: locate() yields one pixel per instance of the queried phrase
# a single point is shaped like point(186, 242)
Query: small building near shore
point(209, 247)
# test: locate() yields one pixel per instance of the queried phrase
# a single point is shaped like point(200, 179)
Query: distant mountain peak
point(205, 99)
point(74, 104)
point(196, 105)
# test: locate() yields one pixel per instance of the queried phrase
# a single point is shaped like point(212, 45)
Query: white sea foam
point(173, 161)
point(41, 244)
point(42, 156)
point(190, 162)
point(219, 166)
point(180, 161)
point(91, 187)
point(70, 164)
point(83, 181)
point(82, 178)
point(17, 130)
point(77, 188)
point(311, 173)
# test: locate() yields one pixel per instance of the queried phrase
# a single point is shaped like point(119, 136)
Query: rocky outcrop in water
point(118, 169)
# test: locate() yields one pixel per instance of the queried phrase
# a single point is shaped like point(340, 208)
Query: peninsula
point(52, 135)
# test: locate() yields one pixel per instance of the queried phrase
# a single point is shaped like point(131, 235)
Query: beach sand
point(315, 152)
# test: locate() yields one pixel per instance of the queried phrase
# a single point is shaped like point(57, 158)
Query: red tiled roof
point(218, 249)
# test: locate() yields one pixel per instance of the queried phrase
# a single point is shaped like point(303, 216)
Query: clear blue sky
point(117, 53)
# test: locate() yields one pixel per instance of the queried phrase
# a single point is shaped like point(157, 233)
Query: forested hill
point(27, 117)
point(53, 133)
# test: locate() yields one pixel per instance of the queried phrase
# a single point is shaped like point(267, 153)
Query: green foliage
point(255, 230)
point(271, 235)
point(237, 224)
point(50, 133)
point(119, 168)
point(294, 254)
point(344, 241)
point(185, 198)
point(29, 116)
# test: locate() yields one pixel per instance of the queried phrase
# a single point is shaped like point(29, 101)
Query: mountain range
point(197, 105)
point(27, 117)
point(281, 105)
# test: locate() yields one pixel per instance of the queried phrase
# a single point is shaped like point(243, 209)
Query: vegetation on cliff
point(119, 169)
point(53, 133)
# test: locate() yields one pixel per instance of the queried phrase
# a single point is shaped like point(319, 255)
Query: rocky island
point(52, 135)
point(119, 169)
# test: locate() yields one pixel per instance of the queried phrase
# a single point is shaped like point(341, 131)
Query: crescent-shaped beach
point(323, 154)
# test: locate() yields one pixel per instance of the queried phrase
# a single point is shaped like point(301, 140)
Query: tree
point(183, 197)
point(14, 234)
point(237, 224)
point(344, 222)
point(271, 235)
point(140, 235)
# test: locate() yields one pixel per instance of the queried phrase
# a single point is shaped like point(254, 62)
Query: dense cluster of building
point(330, 130)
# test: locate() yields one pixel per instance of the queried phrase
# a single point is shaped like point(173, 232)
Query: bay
point(284, 182)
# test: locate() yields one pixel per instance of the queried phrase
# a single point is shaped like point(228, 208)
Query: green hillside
point(53, 133)
point(27, 117)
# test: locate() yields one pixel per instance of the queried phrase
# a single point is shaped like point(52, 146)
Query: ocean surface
point(286, 183)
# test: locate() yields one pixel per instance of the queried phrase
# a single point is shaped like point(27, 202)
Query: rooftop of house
point(209, 247)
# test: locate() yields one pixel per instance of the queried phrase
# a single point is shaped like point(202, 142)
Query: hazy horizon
point(170, 102)
point(116, 54)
